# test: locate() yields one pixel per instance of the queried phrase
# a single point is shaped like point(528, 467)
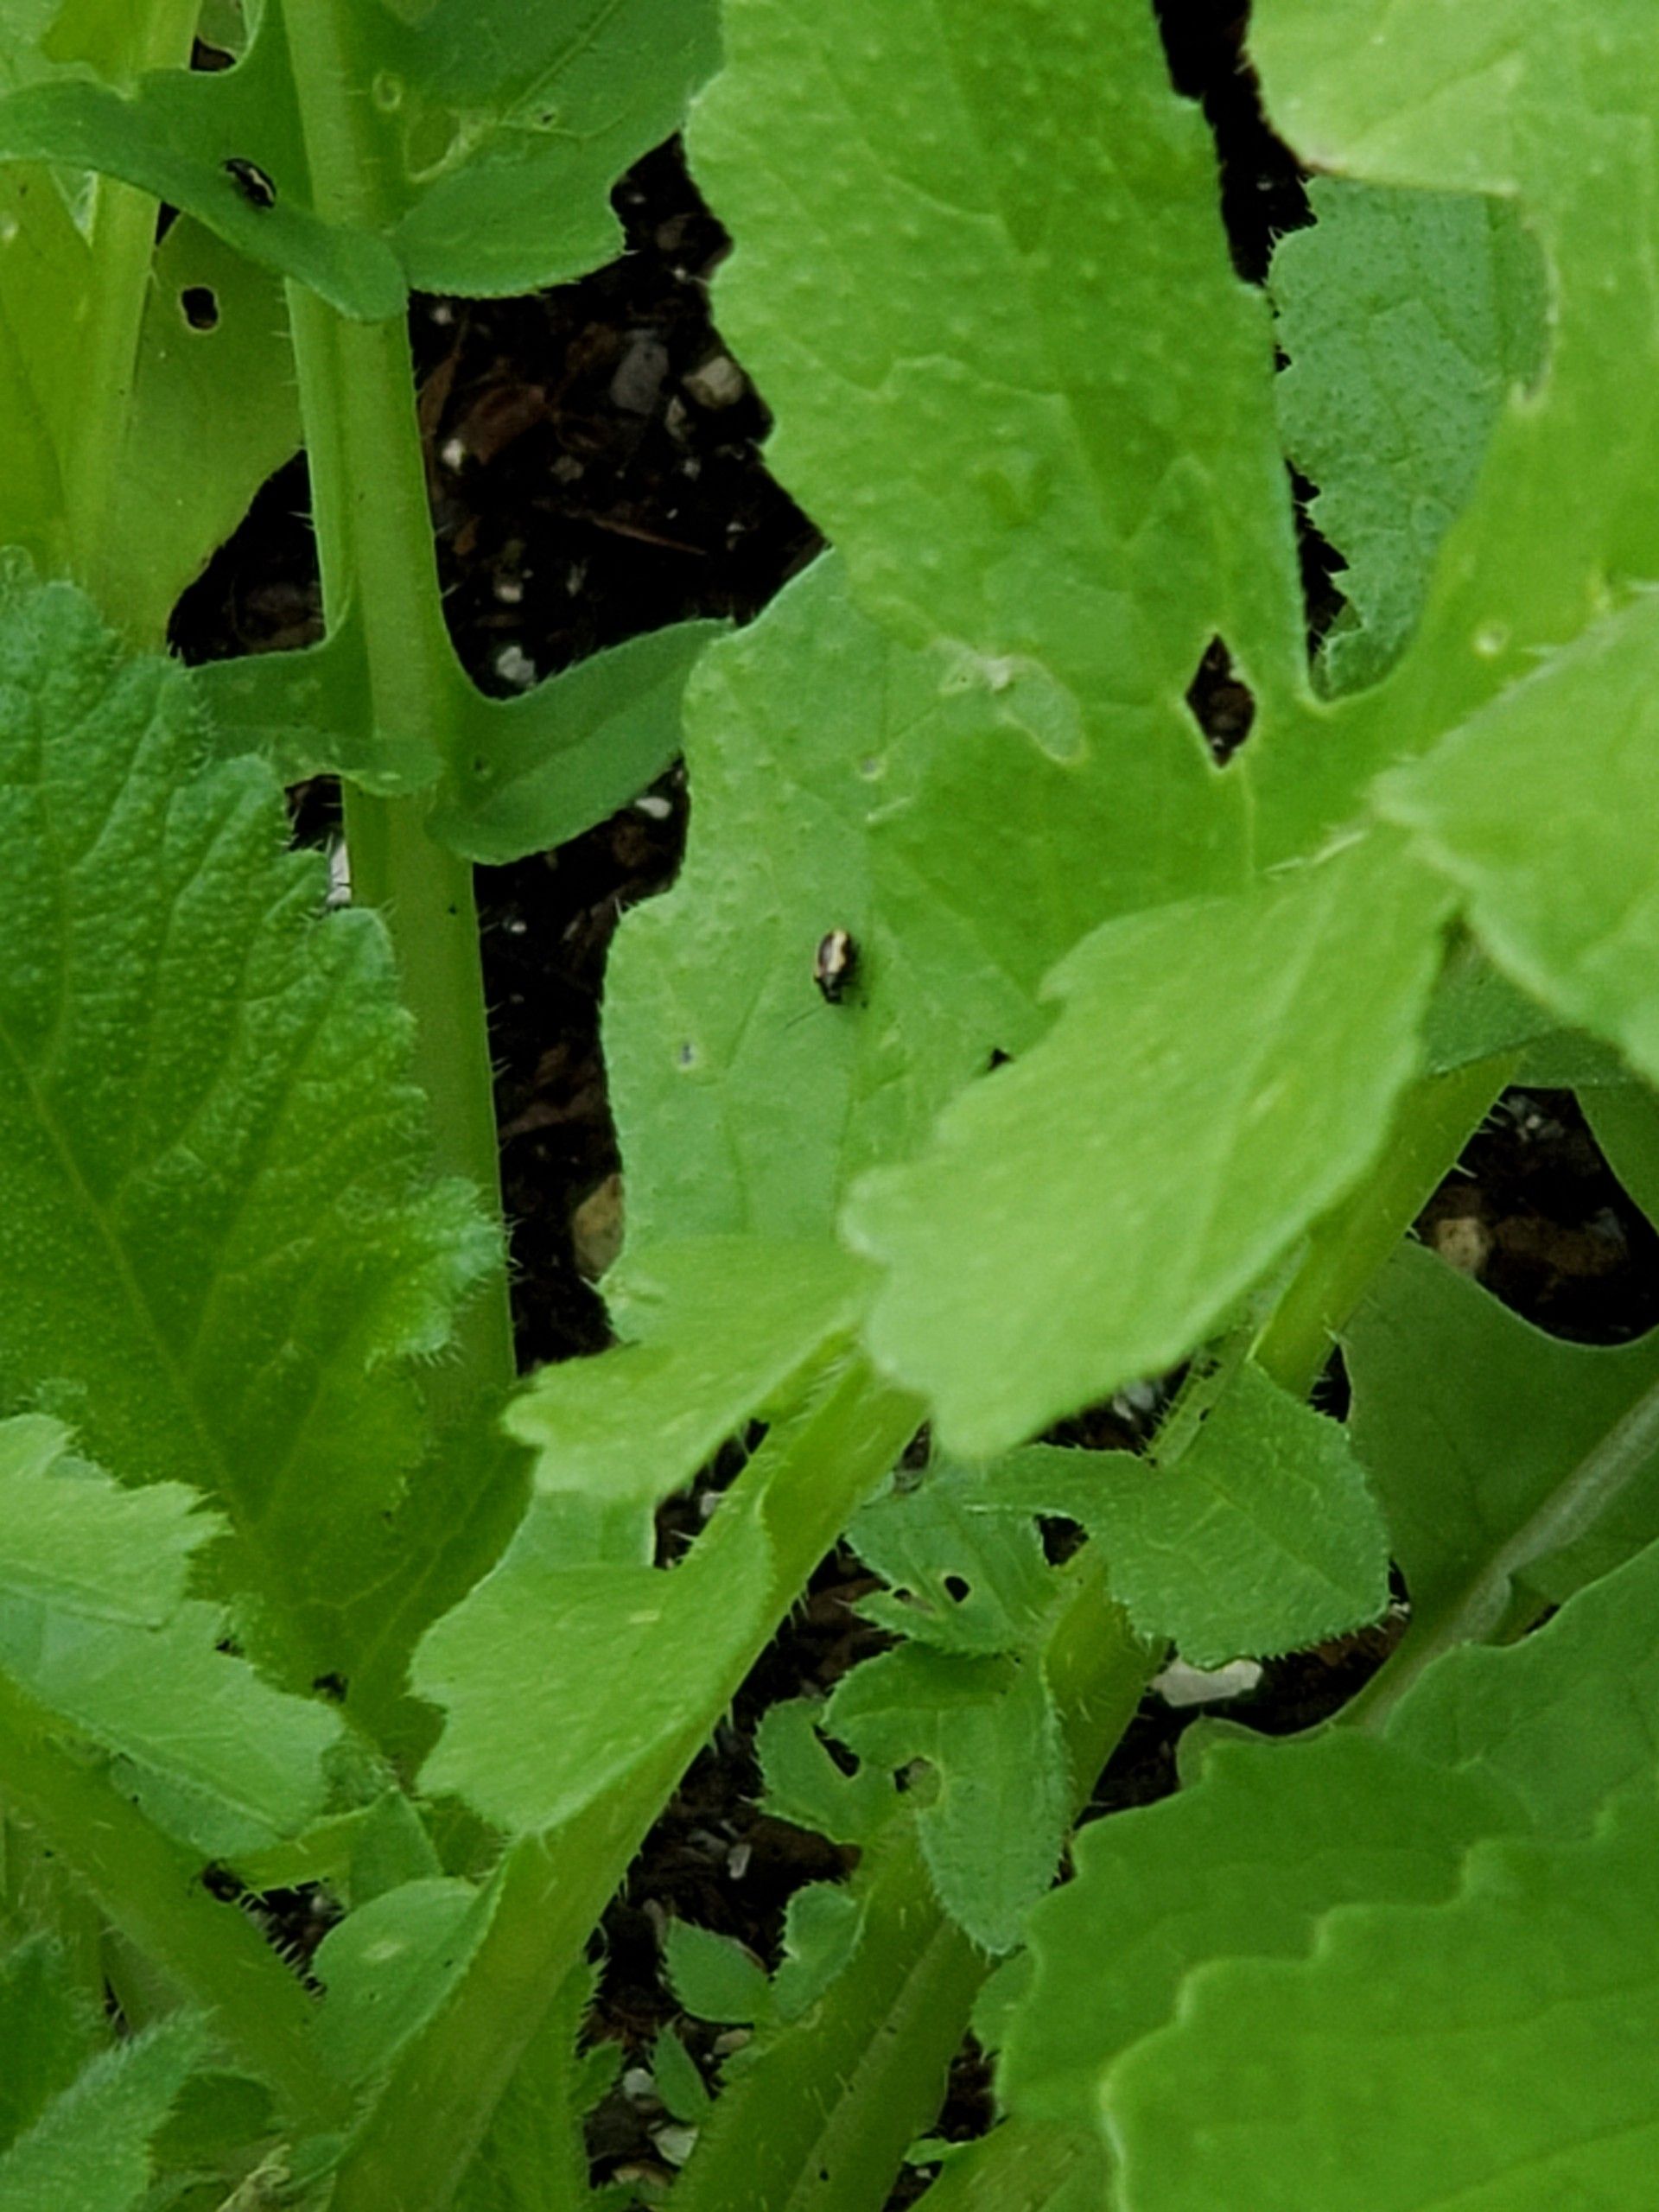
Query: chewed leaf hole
point(1221, 703)
point(199, 306)
point(956, 1588)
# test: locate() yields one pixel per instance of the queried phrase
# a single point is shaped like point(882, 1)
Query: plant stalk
point(423, 2129)
point(380, 571)
point(149, 1888)
point(1347, 1249)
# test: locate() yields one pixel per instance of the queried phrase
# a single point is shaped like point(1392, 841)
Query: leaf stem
point(416, 2141)
point(149, 1888)
point(1352, 1243)
point(1491, 1610)
point(380, 570)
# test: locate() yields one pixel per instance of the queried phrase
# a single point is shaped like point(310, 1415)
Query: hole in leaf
point(200, 306)
point(1221, 701)
point(956, 1588)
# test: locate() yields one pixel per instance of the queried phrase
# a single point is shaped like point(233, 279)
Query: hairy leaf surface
point(1261, 1538)
point(220, 1245)
point(96, 1628)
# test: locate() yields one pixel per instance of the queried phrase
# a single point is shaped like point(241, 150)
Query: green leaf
point(214, 412)
point(990, 412)
point(967, 1574)
point(744, 1104)
point(96, 1628)
point(1546, 842)
point(823, 1925)
point(1564, 1719)
point(534, 2159)
point(505, 127)
point(992, 1830)
point(388, 1966)
point(1490, 2052)
point(1241, 1864)
point(680, 2085)
point(533, 772)
point(715, 1976)
point(1023, 2167)
point(803, 1785)
point(1406, 316)
point(727, 1326)
point(1541, 106)
point(1261, 1538)
point(46, 2031)
point(221, 1248)
point(1197, 1154)
point(495, 131)
point(90, 2148)
point(1500, 1453)
point(1624, 1122)
point(559, 1681)
point(173, 134)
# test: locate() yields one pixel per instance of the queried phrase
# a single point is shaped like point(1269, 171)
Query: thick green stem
point(149, 1888)
point(379, 572)
point(1351, 1244)
point(417, 2140)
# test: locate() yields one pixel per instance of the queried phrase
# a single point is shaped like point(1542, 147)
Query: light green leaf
point(90, 2148)
point(981, 394)
point(221, 1248)
point(558, 1680)
point(1406, 316)
point(966, 1576)
point(992, 1830)
point(803, 1785)
point(95, 1627)
point(1500, 1453)
point(1490, 2052)
point(214, 412)
point(1542, 105)
point(715, 1976)
point(1261, 1538)
point(744, 1104)
point(1547, 842)
point(1240, 1864)
point(1196, 1155)
point(727, 1325)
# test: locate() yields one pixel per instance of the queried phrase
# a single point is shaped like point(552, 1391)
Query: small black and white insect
point(834, 964)
point(251, 181)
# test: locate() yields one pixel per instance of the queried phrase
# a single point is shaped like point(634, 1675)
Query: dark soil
point(596, 471)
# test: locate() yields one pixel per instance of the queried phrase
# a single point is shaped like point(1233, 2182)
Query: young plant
point(997, 1049)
